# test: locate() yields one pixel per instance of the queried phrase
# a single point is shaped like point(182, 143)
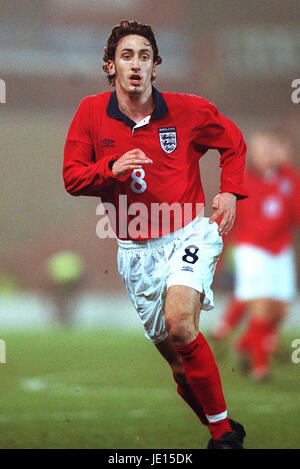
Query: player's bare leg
point(182, 309)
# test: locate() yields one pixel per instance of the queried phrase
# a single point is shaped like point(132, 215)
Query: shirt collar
point(159, 110)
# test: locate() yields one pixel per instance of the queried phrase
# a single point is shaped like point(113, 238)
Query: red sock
point(234, 312)
point(260, 349)
point(256, 343)
point(188, 396)
point(232, 316)
point(243, 344)
point(204, 379)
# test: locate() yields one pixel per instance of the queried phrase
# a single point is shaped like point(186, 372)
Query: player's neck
point(135, 106)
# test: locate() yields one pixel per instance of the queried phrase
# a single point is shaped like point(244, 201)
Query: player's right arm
point(81, 173)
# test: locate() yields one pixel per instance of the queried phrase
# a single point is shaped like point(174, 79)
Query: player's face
point(133, 65)
point(263, 153)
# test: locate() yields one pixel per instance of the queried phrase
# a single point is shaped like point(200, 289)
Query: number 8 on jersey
point(138, 184)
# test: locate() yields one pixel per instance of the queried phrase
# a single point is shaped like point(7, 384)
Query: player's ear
point(154, 71)
point(111, 67)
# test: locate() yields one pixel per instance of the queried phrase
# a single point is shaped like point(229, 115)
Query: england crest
point(168, 138)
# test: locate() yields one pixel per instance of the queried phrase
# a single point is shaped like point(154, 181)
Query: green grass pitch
point(111, 389)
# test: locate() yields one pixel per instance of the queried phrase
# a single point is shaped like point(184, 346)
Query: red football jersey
point(178, 132)
point(269, 217)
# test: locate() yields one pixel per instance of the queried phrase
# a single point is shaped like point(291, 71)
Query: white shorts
point(186, 257)
point(260, 274)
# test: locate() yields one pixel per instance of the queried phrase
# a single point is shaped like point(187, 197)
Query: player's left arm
point(216, 131)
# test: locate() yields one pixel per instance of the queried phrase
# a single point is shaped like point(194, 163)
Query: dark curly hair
point(123, 29)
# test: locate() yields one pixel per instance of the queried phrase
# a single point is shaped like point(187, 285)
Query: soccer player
point(63, 281)
point(265, 282)
point(143, 146)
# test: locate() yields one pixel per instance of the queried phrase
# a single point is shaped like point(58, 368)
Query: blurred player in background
point(138, 143)
point(264, 264)
point(64, 275)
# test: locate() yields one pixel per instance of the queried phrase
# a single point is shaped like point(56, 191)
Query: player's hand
point(224, 205)
point(133, 159)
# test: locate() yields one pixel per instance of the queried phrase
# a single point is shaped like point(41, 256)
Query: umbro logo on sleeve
point(108, 142)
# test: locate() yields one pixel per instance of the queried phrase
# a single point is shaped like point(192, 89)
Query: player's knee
point(180, 331)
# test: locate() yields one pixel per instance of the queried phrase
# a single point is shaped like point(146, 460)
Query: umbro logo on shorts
point(187, 268)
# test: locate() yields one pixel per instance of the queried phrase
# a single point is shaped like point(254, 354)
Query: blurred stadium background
point(241, 55)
